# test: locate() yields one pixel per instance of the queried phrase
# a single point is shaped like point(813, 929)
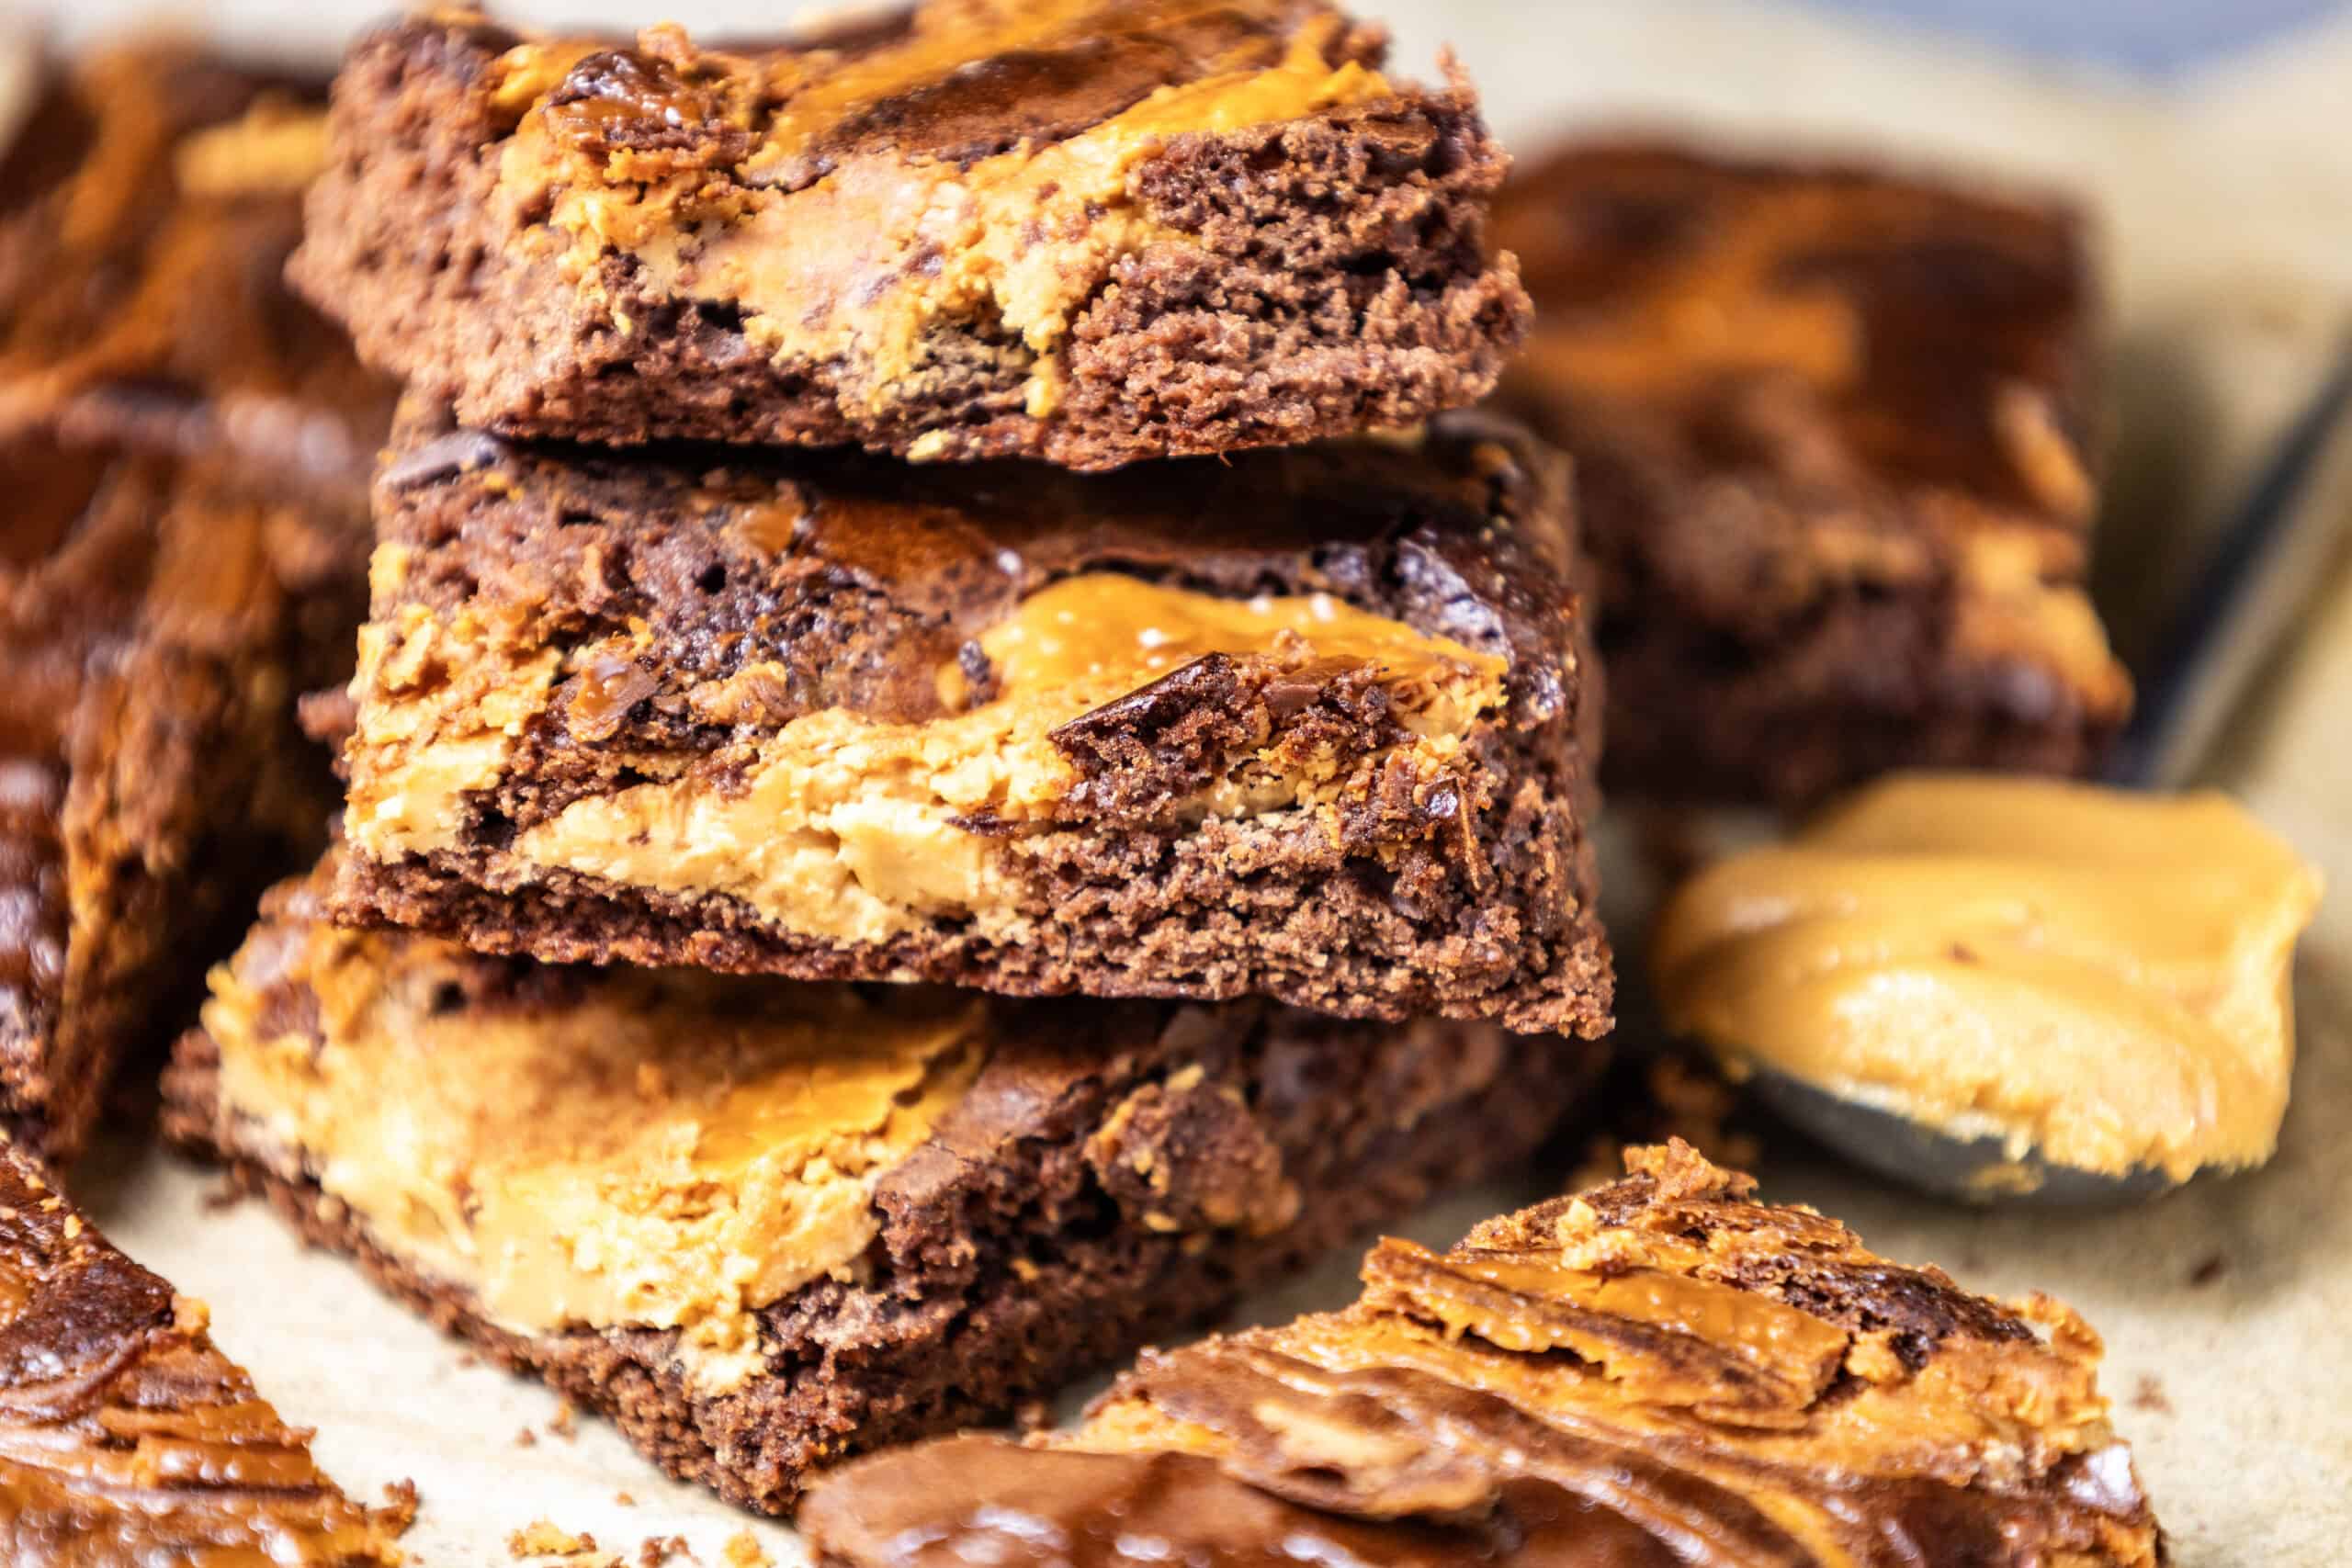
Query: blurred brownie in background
point(186, 448)
point(1834, 436)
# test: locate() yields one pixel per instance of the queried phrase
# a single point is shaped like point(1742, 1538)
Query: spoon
point(2252, 586)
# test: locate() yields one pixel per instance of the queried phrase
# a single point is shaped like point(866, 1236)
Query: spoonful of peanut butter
point(2003, 987)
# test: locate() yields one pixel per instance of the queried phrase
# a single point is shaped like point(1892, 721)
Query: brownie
point(764, 1225)
point(126, 1437)
point(187, 448)
point(147, 210)
point(1661, 1369)
point(1833, 430)
point(1086, 230)
point(157, 616)
point(1314, 723)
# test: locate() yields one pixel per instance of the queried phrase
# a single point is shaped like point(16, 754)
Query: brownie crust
point(1313, 275)
point(1117, 1171)
point(1456, 883)
point(1848, 530)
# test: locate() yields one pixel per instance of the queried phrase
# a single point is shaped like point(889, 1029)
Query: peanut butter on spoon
point(2059, 976)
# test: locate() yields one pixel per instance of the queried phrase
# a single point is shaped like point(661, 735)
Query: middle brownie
point(1316, 724)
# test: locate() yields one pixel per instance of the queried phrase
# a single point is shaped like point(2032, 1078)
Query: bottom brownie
point(764, 1225)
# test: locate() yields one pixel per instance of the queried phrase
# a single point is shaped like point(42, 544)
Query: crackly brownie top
point(1660, 1370)
point(146, 214)
point(957, 81)
point(735, 590)
point(1785, 380)
point(125, 1438)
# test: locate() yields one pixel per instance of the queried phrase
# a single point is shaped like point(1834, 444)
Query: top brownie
point(1833, 433)
point(1086, 230)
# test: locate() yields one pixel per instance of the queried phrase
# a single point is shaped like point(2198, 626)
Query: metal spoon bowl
point(2249, 592)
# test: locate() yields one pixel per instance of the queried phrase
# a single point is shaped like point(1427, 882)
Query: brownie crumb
point(624, 1500)
point(566, 1423)
point(657, 1550)
point(744, 1551)
point(399, 1512)
point(2149, 1394)
point(541, 1538)
point(527, 1439)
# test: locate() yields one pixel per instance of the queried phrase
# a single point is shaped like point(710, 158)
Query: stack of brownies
point(955, 756)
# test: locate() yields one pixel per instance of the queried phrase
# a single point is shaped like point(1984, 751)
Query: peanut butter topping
point(844, 826)
point(2098, 975)
point(1661, 1369)
point(821, 205)
point(665, 1150)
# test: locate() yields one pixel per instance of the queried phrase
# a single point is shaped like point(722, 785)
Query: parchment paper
point(2229, 214)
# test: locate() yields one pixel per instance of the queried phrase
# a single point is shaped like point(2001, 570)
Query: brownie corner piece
point(130, 1436)
point(1317, 724)
point(764, 1225)
point(1837, 444)
point(1657, 1367)
point(1076, 232)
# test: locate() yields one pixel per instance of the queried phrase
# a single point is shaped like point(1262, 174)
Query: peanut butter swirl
point(974, 163)
point(1659, 1371)
point(126, 1439)
point(2100, 975)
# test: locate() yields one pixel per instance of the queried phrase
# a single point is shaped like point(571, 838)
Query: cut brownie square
point(1832, 432)
point(125, 1437)
point(186, 445)
point(1660, 1370)
point(1314, 723)
point(762, 1225)
point(1087, 231)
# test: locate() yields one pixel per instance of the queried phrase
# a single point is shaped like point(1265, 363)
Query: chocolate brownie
point(1087, 231)
point(186, 446)
point(1833, 432)
point(125, 1439)
point(1661, 1371)
point(147, 210)
point(765, 1224)
point(1314, 724)
point(157, 616)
